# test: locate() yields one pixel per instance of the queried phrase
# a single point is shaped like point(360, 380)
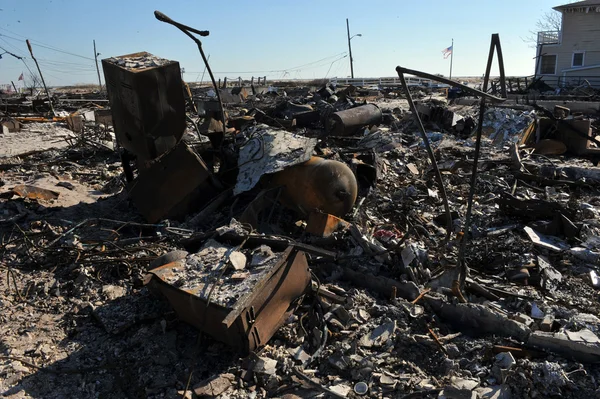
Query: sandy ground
point(34, 137)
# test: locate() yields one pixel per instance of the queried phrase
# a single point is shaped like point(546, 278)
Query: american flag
point(21, 77)
point(447, 51)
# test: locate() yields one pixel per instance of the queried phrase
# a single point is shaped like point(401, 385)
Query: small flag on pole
point(447, 51)
point(21, 77)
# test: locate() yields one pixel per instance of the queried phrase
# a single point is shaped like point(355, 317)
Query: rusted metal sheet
point(34, 192)
point(147, 103)
point(174, 185)
point(350, 121)
point(323, 224)
point(255, 317)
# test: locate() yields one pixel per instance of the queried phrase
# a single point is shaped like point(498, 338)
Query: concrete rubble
point(299, 250)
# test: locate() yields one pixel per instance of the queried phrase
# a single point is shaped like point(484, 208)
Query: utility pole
point(41, 76)
point(97, 69)
point(350, 49)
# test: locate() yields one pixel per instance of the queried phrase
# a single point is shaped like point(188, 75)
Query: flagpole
point(451, 57)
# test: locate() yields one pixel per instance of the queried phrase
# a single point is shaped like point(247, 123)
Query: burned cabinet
point(147, 103)
point(253, 319)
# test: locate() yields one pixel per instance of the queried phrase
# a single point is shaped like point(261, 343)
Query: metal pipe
point(438, 175)
point(349, 122)
point(162, 17)
point(468, 89)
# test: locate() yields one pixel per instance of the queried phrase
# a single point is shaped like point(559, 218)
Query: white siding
point(581, 33)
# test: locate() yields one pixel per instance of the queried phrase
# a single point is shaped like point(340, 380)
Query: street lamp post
point(350, 47)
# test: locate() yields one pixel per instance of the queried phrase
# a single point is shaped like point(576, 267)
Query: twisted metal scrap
point(495, 44)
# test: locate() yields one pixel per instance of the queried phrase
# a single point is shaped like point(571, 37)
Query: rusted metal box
point(254, 317)
point(147, 103)
point(172, 186)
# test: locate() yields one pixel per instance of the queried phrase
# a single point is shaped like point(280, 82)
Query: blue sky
point(279, 39)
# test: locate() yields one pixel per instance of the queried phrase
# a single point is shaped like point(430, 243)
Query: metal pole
point(452, 83)
point(436, 169)
point(494, 45)
point(97, 69)
point(13, 83)
point(41, 76)
point(162, 17)
point(451, 57)
point(349, 49)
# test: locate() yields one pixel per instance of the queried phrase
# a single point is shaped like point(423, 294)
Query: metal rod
point(468, 89)
point(162, 17)
point(97, 69)
point(495, 45)
point(41, 76)
point(438, 175)
point(496, 39)
point(350, 49)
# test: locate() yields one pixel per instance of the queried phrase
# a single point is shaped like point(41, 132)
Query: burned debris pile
point(293, 242)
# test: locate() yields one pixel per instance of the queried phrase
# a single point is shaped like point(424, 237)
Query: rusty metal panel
point(173, 185)
point(251, 321)
point(147, 103)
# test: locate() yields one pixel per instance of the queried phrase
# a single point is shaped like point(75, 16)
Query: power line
point(13, 47)
point(332, 65)
point(64, 62)
point(42, 44)
point(47, 47)
point(8, 52)
point(299, 67)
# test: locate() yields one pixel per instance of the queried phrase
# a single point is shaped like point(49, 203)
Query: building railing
point(548, 37)
point(572, 81)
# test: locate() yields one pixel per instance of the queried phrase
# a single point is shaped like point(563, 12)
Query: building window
point(548, 65)
point(577, 59)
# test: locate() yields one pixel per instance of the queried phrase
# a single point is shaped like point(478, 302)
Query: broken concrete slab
point(451, 392)
point(547, 242)
point(495, 392)
point(464, 383)
point(478, 319)
point(214, 386)
point(581, 345)
point(379, 336)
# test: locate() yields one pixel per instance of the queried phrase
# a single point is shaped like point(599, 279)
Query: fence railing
point(383, 82)
point(548, 37)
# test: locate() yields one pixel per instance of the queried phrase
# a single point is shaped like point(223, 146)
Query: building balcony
point(548, 37)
